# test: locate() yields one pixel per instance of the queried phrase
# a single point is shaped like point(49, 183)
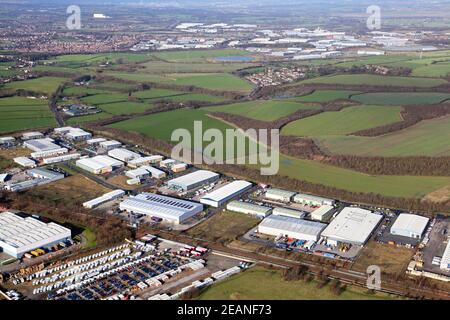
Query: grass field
point(199, 55)
point(324, 96)
point(89, 118)
point(46, 85)
point(391, 259)
point(393, 186)
point(262, 284)
point(430, 138)
point(264, 110)
point(347, 121)
point(174, 96)
point(90, 238)
point(160, 67)
point(401, 98)
point(224, 227)
point(212, 81)
point(18, 113)
point(377, 80)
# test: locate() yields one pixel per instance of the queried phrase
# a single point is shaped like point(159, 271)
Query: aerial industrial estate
point(96, 204)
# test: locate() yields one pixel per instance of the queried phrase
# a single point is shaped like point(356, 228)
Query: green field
point(401, 98)
point(344, 122)
point(160, 67)
point(323, 96)
point(212, 81)
point(174, 96)
point(199, 55)
point(262, 284)
point(393, 186)
point(427, 138)
point(89, 118)
point(46, 85)
point(264, 110)
point(376, 80)
point(17, 113)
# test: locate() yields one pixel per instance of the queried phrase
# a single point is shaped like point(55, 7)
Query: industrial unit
point(25, 162)
point(194, 180)
point(77, 134)
point(110, 145)
point(445, 261)
point(313, 200)
point(96, 141)
point(20, 235)
point(285, 212)
point(275, 225)
point(40, 145)
point(324, 213)
point(351, 225)
point(166, 208)
point(7, 141)
point(145, 161)
point(155, 173)
point(99, 164)
point(63, 158)
point(248, 208)
point(94, 203)
point(32, 135)
point(226, 193)
point(409, 225)
point(123, 154)
point(280, 195)
point(139, 173)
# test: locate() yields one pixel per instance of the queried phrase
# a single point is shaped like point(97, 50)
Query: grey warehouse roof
point(288, 224)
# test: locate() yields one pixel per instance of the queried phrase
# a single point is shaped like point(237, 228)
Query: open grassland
point(88, 118)
point(174, 96)
point(161, 125)
point(82, 60)
point(391, 259)
point(80, 189)
point(18, 113)
point(212, 81)
point(401, 98)
point(263, 284)
point(127, 107)
point(199, 55)
point(394, 186)
point(348, 120)
point(264, 110)
point(82, 91)
point(161, 67)
point(427, 138)
point(376, 80)
point(324, 96)
point(224, 227)
point(46, 85)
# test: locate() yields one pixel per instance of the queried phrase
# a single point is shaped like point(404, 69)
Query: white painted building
point(25, 162)
point(110, 196)
point(194, 180)
point(324, 213)
point(99, 164)
point(409, 225)
point(276, 225)
point(249, 208)
point(123, 154)
point(220, 196)
point(280, 195)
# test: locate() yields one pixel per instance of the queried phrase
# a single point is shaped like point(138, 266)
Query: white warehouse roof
point(409, 225)
point(19, 235)
point(445, 261)
point(167, 208)
point(104, 198)
point(219, 196)
point(123, 154)
point(100, 162)
point(193, 179)
point(292, 227)
point(352, 225)
point(40, 145)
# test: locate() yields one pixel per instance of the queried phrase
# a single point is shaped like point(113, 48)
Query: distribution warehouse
point(313, 200)
point(103, 199)
point(285, 212)
point(166, 208)
point(99, 164)
point(275, 225)
point(351, 225)
point(228, 192)
point(123, 154)
point(20, 235)
point(194, 180)
point(280, 195)
point(409, 225)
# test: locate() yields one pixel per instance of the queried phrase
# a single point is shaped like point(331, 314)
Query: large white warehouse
point(226, 193)
point(99, 164)
point(194, 180)
point(409, 225)
point(275, 225)
point(123, 154)
point(445, 261)
point(21, 235)
point(324, 213)
point(352, 225)
point(166, 208)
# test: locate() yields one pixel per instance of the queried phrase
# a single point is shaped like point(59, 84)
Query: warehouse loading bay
point(141, 269)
